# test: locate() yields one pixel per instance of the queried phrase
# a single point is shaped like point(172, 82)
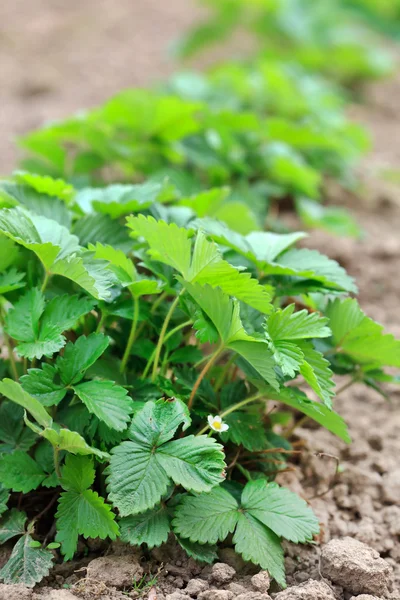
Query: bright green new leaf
point(289, 325)
point(56, 188)
point(27, 565)
point(151, 528)
point(108, 401)
point(13, 391)
point(71, 441)
point(316, 371)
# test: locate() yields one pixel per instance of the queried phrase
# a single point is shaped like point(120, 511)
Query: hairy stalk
point(233, 408)
point(168, 335)
point(203, 372)
point(162, 336)
point(132, 335)
point(45, 281)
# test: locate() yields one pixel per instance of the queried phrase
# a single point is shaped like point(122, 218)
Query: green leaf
point(89, 273)
point(40, 383)
point(13, 391)
point(151, 528)
point(101, 228)
point(259, 356)
point(79, 356)
point(57, 188)
point(11, 280)
point(360, 337)
point(334, 219)
point(289, 325)
point(49, 240)
point(20, 473)
point(12, 524)
point(141, 469)
point(315, 410)
point(281, 510)
point(81, 511)
point(14, 194)
point(168, 243)
point(315, 370)
point(71, 441)
point(26, 565)
point(119, 199)
point(8, 252)
point(257, 543)
point(288, 357)
point(40, 331)
point(245, 429)
point(206, 518)
point(200, 552)
point(12, 431)
point(4, 498)
point(108, 401)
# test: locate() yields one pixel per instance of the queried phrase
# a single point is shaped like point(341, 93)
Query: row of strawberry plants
point(158, 343)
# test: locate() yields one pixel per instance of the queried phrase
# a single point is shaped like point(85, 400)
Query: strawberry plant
point(146, 343)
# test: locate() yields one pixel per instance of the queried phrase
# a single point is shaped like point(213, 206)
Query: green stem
point(168, 335)
point(45, 282)
point(100, 323)
point(234, 407)
point(11, 356)
point(132, 334)
point(162, 336)
point(203, 372)
point(157, 303)
point(223, 374)
point(57, 461)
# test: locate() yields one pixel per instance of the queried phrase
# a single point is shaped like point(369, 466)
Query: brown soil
point(75, 54)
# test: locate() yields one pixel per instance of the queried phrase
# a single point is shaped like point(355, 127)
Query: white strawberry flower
point(216, 423)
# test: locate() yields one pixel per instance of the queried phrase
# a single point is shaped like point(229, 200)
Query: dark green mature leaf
point(200, 552)
point(13, 433)
point(38, 327)
point(27, 565)
point(12, 524)
point(79, 356)
point(151, 528)
point(260, 545)
point(101, 228)
point(141, 469)
point(206, 518)
point(4, 498)
point(108, 401)
point(80, 510)
point(281, 510)
point(41, 384)
point(245, 429)
point(20, 473)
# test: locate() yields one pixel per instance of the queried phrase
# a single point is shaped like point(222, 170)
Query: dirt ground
point(57, 57)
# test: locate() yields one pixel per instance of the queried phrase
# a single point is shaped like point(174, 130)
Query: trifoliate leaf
point(41, 384)
point(80, 510)
point(79, 356)
point(13, 391)
point(20, 473)
point(257, 543)
point(151, 528)
point(360, 337)
point(289, 325)
point(200, 552)
point(281, 510)
point(108, 401)
point(11, 280)
point(27, 565)
point(40, 331)
point(141, 469)
point(12, 524)
point(206, 518)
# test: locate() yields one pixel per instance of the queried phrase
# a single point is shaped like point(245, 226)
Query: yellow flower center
point(217, 424)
